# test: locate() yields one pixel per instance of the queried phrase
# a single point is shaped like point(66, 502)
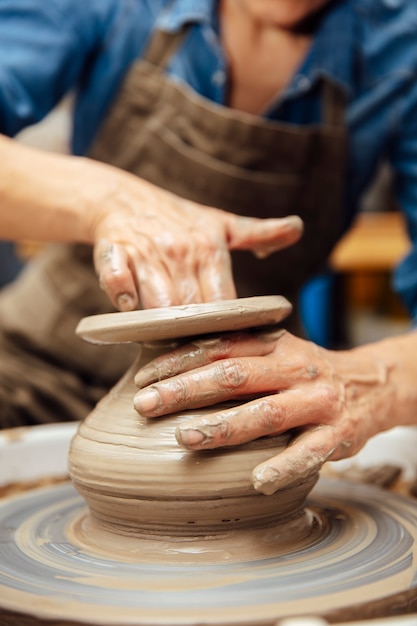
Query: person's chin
point(290, 15)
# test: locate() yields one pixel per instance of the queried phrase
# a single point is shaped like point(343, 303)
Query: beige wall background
point(53, 132)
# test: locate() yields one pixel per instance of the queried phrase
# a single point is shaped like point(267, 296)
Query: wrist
point(396, 396)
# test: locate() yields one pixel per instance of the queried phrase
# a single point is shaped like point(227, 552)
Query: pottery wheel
point(359, 553)
point(178, 557)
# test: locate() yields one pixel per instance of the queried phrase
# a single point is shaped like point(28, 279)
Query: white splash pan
point(35, 452)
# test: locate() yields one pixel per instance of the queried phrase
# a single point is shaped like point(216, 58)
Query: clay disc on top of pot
point(184, 320)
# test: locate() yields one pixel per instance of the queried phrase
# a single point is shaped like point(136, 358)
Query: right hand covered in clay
point(151, 248)
point(157, 249)
point(331, 401)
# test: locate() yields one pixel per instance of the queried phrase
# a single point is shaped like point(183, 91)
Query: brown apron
point(172, 137)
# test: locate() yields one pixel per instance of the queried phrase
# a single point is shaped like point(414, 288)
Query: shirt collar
point(179, 12)
point(332, 53)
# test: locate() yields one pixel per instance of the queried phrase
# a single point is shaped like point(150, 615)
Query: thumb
point(263, 236)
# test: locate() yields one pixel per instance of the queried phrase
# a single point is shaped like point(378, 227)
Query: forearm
point(38, 195)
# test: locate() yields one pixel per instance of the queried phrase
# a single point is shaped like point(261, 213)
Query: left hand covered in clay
point(333, 401)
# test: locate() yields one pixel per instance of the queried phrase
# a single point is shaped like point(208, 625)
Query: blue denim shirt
point(369, 47)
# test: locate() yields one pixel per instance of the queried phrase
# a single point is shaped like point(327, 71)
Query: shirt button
point(302, 82)
point(219, 78)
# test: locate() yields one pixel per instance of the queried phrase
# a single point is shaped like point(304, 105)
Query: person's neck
point(261, 57)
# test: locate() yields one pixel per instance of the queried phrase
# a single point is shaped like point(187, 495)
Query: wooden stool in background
point(376, 242)
point(363, 262)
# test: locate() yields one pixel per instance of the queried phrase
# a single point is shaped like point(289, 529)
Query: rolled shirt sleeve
point(44, 48)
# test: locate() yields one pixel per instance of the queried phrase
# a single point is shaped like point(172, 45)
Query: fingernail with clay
point(267, 480)
point(125, 302)
point(147, 401)
point(189, 437)
point(146, 376)
point(293, 221)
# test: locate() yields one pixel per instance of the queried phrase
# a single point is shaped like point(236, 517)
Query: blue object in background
point(321, 312)
point(10, 263)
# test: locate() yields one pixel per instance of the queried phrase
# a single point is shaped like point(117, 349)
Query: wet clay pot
point(132, 472)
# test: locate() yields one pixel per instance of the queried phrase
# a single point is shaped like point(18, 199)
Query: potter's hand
point(158, 249)
point(334, 401)
point(149, 246)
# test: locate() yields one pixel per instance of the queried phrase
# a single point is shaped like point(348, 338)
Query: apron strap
point(334, 104)
point(162, 46)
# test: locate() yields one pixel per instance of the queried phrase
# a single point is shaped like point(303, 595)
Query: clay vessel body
point(136, 478)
